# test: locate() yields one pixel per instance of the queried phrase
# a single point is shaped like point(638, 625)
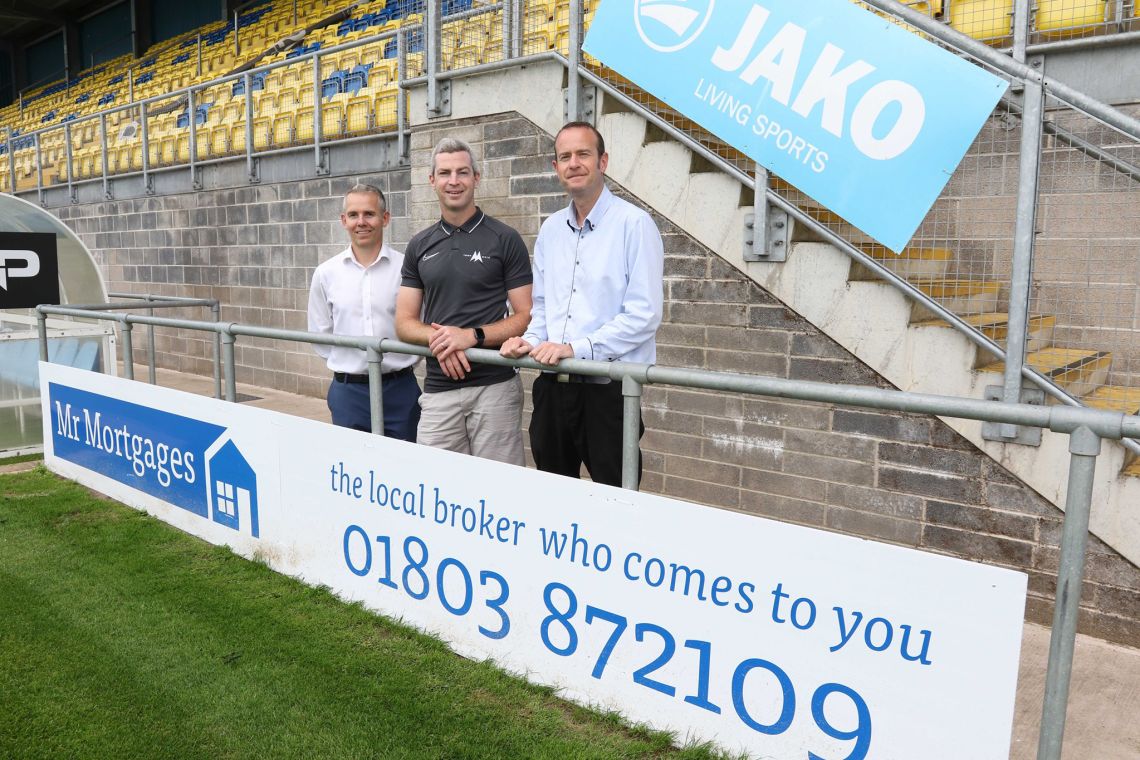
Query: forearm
point(412, 330)
point(496, 333)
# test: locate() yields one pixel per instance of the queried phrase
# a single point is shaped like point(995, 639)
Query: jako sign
point(868, 119)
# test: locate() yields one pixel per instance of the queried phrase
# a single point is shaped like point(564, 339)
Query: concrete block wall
point(899, 478)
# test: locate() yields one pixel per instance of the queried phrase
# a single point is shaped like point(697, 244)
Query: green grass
point(16, 460)
point(123, 637)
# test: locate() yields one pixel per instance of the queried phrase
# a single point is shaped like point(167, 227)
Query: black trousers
point(578, 423)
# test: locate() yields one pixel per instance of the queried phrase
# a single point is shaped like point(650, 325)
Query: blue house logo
point(232, 487)
point(183, 461)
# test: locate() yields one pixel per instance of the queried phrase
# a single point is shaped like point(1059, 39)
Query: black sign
point(29, 269)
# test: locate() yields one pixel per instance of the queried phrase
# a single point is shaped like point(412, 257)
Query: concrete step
point(995, 326)
point(917, 262)
point(1078, 371)
point(1115, 398)
point(958, 296)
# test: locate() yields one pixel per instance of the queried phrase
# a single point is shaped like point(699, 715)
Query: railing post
point(228, 362)
point(508, 25)
point(11, 163)
point(70, 167)
point(151, 350)
point(143, 119)
point(401, 96)
point(574, 57)
point(317, 121)
point(1084, 446)
point(39, 170)
point(630, 432)
point(193, 139)
point(248, 81)
point(103, 151)
point(375, 390)
point(432, 43)
point(216, 310)
point(1020, 29)
point(1024, 235)
point(128, 350)
point(41, 324)
point(516, 30)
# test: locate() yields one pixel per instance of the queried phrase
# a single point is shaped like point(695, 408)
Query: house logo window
point(232, 488)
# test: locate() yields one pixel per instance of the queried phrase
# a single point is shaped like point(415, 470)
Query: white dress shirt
point(599, 287)
point(349, 299)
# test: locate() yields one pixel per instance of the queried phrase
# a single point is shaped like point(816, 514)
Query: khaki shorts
point(485, 421)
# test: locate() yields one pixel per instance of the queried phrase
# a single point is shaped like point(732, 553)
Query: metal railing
point(1086, 429)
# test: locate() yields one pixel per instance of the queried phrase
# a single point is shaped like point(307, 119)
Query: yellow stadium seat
point(1069, 18)
point(262, 134)
point(385, 110)
point(218, 141)
point(283, 129)
point(287, 101)
point(182, 149)
point(332, 121)
point(985, 20)
point(304, 124)
point(358, 115)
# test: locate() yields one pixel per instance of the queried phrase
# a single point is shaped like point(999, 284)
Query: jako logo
point(671, 25)
point(30, 268)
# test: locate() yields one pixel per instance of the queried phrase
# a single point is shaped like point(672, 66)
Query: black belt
point(570, 377)
point(344, 377)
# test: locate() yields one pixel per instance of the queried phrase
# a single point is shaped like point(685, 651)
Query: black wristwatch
point(480, 336)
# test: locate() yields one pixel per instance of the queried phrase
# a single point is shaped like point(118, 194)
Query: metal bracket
point(587, 98)
point(255, 171)
point(109, 193)
point(195, 178)
point(1026, 436)
point(323, 168)
point(444, 106)
point(774, 245)
point(148, 184)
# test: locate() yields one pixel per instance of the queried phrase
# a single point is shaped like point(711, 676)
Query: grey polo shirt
point(465, 273)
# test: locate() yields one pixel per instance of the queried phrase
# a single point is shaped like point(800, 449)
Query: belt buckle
point(563, 377)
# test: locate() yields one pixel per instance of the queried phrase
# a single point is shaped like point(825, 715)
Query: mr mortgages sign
point(868, 119)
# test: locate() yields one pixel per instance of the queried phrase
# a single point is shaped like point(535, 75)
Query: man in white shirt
point(354, 293)
point(598, 293)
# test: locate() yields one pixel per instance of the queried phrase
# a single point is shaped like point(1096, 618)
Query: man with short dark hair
point(354, 293)
point(459, 276)
point(598, 294)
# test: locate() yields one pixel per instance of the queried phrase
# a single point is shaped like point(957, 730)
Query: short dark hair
point(584, 125)
point(372, 189)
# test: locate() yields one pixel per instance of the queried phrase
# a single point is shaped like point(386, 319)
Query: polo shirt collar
point(468, 226)
point(594, 218)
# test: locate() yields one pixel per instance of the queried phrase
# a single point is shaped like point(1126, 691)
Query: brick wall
point(904, 479)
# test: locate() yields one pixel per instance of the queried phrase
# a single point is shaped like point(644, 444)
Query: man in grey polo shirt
point(459, 276)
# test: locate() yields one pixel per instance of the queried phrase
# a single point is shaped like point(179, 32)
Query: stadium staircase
point(357, 96)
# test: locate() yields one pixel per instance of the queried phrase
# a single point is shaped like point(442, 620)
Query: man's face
point(363, 219)
point(455, 181)
point(577, 163)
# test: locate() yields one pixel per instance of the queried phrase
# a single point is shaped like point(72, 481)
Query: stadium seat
point(282, 129)
point(332, 121)
point(985, 20)
point(1069, 18)
point(358, 115)
point(384, 110)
